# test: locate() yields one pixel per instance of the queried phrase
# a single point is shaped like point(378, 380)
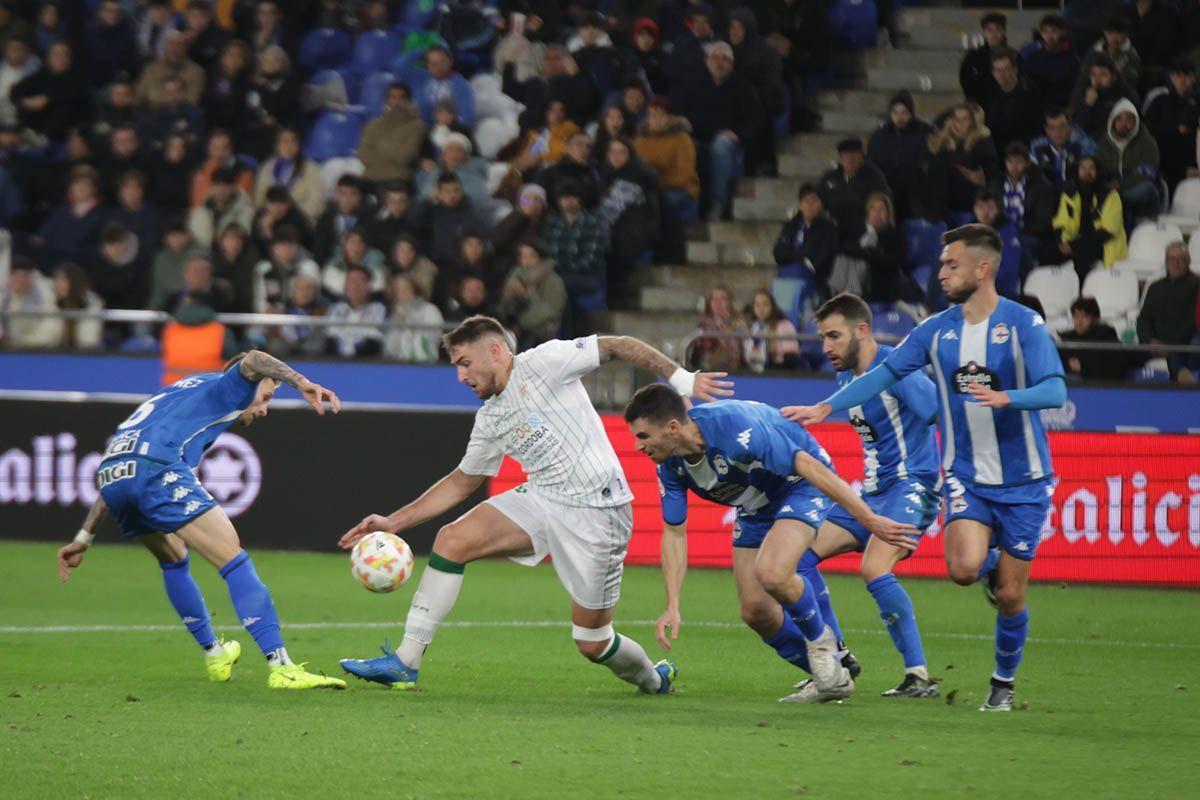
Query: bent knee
point(963, 574)
point(760, 616)
point(451, 543)
point(592, 651)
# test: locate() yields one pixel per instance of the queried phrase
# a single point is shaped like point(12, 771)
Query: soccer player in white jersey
point(994, 366)
point(576, 506)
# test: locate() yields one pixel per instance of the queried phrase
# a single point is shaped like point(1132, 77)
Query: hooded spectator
point(645, 55)
point(1128, 154)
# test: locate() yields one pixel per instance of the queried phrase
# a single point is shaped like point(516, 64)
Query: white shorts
point(587, 545)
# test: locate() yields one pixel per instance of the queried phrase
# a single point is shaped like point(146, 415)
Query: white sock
point(435, 597)
point(278, 658)
point(214, 649)
point(919, 671)
point(629, 662)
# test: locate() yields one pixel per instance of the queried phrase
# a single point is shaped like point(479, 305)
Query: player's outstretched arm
point(853, 394)
point(674, 567)
point(258, 365)
point(701, 385)
point(832, 486)
point(437, 499)
point(70, 556)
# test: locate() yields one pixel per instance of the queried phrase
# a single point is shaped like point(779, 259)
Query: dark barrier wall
point(292, 480)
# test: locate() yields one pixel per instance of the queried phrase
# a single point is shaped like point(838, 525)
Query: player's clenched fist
point(370, 524)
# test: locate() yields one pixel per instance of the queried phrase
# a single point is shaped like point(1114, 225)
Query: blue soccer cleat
point(668, 672)
point(387, 669)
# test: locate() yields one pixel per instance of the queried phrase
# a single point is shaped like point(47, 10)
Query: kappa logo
point(1037, 320)
point(190, 620)
point(819, 502)
point(191, 506)
point(248, 621)
point(1000, 334)
point(913, 497)
point(580, 344)
point(180, 493)
point(1022, 546)
point(743, 438)
point(170, 478)
point(910, 510)
point(813, 515)
point(948, 335)
point(786, 510)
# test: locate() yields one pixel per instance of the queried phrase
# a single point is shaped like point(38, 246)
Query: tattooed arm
point(258, 365)
point(702, 385)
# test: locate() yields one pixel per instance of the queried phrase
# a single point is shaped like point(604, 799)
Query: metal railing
point(265, 320)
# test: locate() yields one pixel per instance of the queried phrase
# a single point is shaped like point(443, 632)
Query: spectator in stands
point(206, 40)
point(19, 63)
point(359, 333)
point(49, 27)
point(394, 217)
point(1170, 114)
point(54, 99)
point(471, 172)
point(117, 269)
point(173, 115)
point(634, 105)
point(1097, 365)
point(808, 242)
point(1129, 155)
point(1085, 21)
point(1029, 204)
point(171, 62)
point(444, 83)
point(645, 56)
point(1089, 222)
point(124, 153)
point(289, 169)
point(13, 25)
point(989, 210)
point(630, 211)
point(801, 34)
point(116, 106)
point(594, 52)
point(270, 28)
point(575, 168)
point(900, 150)
point(225, 94)
point(1168, 314)
point(219, 153)
point(170, 176)
point(1154, 28)
point(760, 65)
point(559, 79)
point(688, 53)
point(405, 259)
point(445, 218)
point(1015, 111)
point(72, 230)
point(346, 211)
point(134, 213)
point(1114, 45)
point(273, 101)
point(226, 202)
point(303, 300)
point(391, 143)
point(975, 72)
point(234, 259)
point(525, 221)
point(166, 266)
point(286, 260)
point(419, 340)
point(611, 125)
point(353, 253)
point(533, 299)
point(882, 247)
point(766, 318)
point(725, 113)
point(1050, 61)
point(470, 298)
point(26, 290)
point(445, 122)
point(1056, 154)
point(845, 188)
point(965, 147)
point(201, 287)
point(664, 143)
point(545, 143)
point(109, 44)
point(157, 23)
point(279, 209)
point(719, 353)
point(1093, 102)
point(73, 292)
point(577, 243)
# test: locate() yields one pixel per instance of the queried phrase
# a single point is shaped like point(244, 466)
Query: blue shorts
point(804, 503)
point(1015, 514)
point(148, 496)
point(907, 501)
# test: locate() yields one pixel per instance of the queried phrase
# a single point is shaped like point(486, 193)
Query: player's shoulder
point(1015, 313)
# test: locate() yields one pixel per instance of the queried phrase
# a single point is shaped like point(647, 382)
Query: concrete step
point(805, 168)
point(731, 254)
point(750, 209)
point(739, 232)
point(773, 190)
point(816, 145)
point(669, 298)
point(916, 81)
point(914, 18)
point(866, 102)
point(698, 278)
point(914, 59)
point(665, 330)
point(851, 123)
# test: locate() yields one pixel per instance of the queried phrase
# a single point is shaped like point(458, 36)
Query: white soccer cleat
point(827, 670)
point(809, 693)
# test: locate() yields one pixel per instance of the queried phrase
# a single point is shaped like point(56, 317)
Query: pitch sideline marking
point(19, 629)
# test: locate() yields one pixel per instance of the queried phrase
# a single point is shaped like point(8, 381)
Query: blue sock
point(989, 563)
point(187, 601)
point(1010, 643)
point(789, 644)
point(896, 609)
point(808, 570)
point(807, 613)
point(252, 602)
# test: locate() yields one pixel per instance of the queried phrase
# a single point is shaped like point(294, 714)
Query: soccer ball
point(381, 561)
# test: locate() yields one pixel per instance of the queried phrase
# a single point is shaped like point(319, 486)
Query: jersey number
point(139, 415)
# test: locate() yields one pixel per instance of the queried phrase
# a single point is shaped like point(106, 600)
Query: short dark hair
point(285, 234)
point(1052, 21)
point(401, 86)
point(1054, 112)
point(975, 235)
point(994, 18)
point(1006, 54)
point(227, 176)
point(657, 403)
point(278, 194)
point(850, 306)
point(351, 181)
point(447, 177)
point(1087, 305)
point(805, 190)
point(113, 233)
point(986, 196)
point(1016, 148)
point(472, 329)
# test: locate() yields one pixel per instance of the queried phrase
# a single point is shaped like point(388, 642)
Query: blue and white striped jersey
point(749, 459)
point(896, 428)
point(1010, 350)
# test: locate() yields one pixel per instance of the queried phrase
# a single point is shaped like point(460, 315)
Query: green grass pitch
point(1108, 695)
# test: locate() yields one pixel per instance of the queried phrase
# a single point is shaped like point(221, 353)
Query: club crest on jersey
point(1000, 333)
point(958, 505)
point(863, 428)
point(974, 373)
point(720, 465)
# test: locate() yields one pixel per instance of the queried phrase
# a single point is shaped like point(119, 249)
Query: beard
point(850, 359)
point(961, 295)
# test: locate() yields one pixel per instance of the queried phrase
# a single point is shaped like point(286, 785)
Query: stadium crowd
point(370, 161)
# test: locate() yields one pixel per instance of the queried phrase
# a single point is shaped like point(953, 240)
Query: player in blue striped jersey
point(746, 455)
point(901, 481)
point(994, 365)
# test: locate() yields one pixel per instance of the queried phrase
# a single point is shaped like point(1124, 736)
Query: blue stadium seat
point(324, 48)
point(921, 274)
point(811, 352)
point(854, 22)
point(960, 218)
point(374, 51)
point(924, 241)
point(335, 134)
point(887, 320)
point(418, 15)
point(373, 93)
point(1149, 373)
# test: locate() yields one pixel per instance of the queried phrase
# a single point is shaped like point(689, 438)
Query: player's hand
point(669, 620)
point(807, 415)
point(370, 524)
point(709, 386)
point(898, 534)
point(318, 395)
point(70, 557)
point(988, 398)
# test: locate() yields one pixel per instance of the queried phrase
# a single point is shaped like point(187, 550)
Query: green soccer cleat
point(220, 666)
point(294, 676)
